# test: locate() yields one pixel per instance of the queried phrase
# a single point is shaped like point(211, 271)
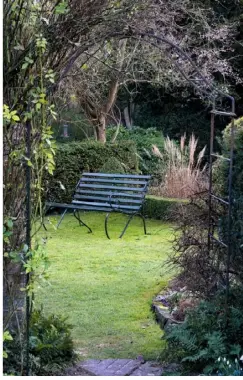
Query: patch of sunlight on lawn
point(104, 286)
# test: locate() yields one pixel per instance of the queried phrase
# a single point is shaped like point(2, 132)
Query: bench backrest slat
point(113, 181)
point(110, 187)
point(138, 176)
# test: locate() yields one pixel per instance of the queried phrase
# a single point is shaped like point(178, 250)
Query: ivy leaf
point(38, 106)
point(61, 8)
point(15, 118)
point(25, 65)
point(45, 20)
point(25, 248)
point(10, 223)
point(8, 233)
point(19, 47)
point(61, 186)
point(84, 66)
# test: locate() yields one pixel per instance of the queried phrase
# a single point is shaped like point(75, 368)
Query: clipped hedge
point(161, 208)
point(76, 157)
point(113, 165)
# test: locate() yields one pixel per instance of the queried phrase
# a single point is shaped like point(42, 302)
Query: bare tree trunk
point(98, 114)
point(127, 118)
point(101, 129)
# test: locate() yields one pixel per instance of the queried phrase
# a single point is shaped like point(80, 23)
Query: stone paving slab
point(147, 369)
point(121, 367)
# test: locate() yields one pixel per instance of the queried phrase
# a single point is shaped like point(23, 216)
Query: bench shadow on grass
point(104, 286)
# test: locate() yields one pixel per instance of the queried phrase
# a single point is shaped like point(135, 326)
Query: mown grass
point(105, 287)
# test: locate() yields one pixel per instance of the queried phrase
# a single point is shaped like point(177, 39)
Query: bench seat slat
point(125, 182)
point(138, 176)
point(107, 199)
point(85, 207)
point(104, 209)
point(90, 192)
point(100, 204)
point(110, 187)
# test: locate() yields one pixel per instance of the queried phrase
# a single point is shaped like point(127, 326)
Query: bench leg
point(60, 221)
point(106, 225)
point(81, 223)
point(43, 223)
point(43, 219)
point(127, 224)
point(144, 224)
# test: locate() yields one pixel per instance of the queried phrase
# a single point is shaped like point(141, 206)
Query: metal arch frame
point(213, 197)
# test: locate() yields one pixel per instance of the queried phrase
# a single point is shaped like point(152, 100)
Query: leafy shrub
point(238, 135)
point(209, 331)
point(161, 208)
point(51, 346)
point(112, 165)
point(74, 158)
point(144, 140)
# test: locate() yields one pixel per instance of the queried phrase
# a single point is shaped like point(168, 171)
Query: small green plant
point(6, 338)
point(51, 346)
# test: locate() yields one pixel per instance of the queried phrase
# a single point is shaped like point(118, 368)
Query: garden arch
point(222, 104)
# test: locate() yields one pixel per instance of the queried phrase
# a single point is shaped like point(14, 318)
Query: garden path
point(117, 367)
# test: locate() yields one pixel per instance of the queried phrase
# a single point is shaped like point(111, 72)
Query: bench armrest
point(112, 206)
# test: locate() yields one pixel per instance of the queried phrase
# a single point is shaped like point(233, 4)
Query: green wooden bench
point(124, 193)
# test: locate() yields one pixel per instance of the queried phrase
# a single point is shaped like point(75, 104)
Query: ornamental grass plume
point(184, 174)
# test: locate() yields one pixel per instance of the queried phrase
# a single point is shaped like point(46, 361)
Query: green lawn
point(105, 287)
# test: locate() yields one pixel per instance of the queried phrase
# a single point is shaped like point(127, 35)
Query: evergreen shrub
point(74, 158)
point(144, 140)
point(112, 165)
